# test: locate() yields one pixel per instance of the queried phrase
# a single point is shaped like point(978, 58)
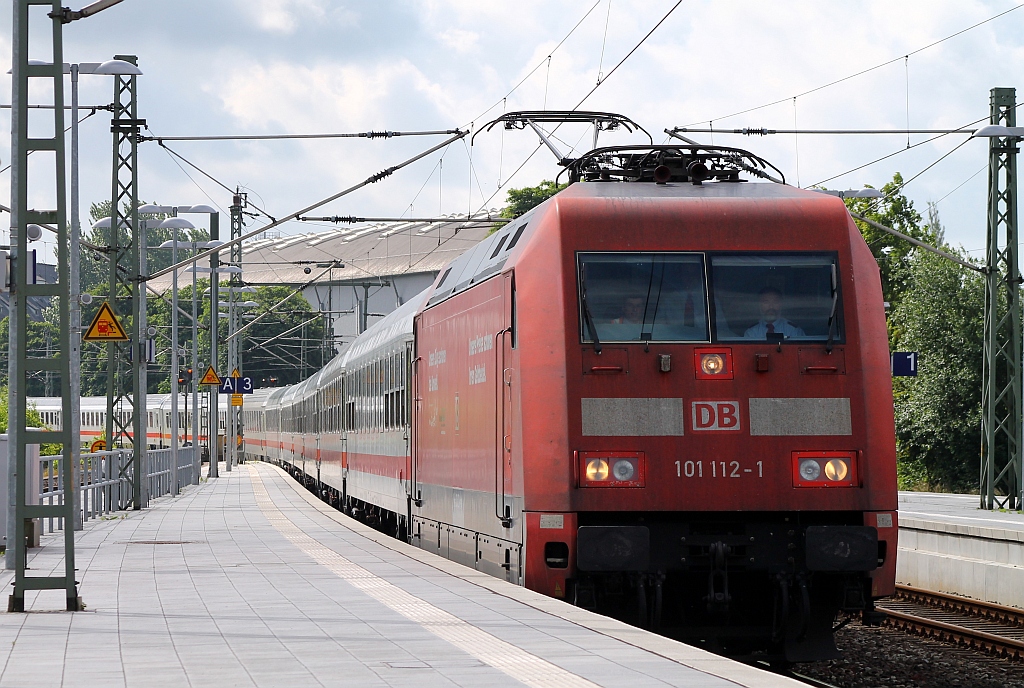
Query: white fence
point(105, 480)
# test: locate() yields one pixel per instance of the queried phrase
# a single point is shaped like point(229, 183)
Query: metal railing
point(106, 480)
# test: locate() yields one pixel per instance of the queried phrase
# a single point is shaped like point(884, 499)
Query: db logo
point(716, 415)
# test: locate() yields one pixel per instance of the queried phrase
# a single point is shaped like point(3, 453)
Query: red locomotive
point(663, 394)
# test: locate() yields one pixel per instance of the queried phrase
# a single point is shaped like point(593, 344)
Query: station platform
point(248, 580)
point(948, 544)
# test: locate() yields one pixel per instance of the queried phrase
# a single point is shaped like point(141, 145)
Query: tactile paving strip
point(521, 665)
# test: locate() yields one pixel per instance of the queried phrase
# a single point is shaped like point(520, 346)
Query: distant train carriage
point(666, 398)
point(158, 418)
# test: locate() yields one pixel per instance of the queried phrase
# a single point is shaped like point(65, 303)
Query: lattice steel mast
point(235, 295)
point(21, 364)
point(126, 362)
point(1001, 395)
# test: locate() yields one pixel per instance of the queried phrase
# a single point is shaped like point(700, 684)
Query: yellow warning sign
point(236, 399)
point(210, 377)
point(235, 374)
point(105, 327)
point(97, 446)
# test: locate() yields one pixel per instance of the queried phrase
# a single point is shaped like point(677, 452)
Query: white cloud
point(327, 65)
point(459, 40)
point(283, 16)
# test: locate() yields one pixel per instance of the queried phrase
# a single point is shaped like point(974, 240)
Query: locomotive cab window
point(776, 297)
point(635, 297)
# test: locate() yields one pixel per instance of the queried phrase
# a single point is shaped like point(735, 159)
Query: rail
point(105, 480)
point(992, 628)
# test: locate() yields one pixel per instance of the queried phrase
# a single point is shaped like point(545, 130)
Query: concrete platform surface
point(948, 544)
point(247, 580)
point(956, 508)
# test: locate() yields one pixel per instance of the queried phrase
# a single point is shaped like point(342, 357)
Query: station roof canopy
point(364, 250)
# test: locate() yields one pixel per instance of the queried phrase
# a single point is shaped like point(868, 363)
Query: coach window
point(776, 297)
point(635, 297)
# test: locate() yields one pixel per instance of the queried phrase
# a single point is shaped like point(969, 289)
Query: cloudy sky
point(321, 66)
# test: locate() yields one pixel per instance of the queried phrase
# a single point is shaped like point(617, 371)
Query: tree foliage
point(521, 201)
point(935, 310)
point(892, 253)
point(32, 420)
point(938, 413)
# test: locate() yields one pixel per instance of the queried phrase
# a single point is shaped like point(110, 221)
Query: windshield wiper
point(832, 315)
point(587, 318)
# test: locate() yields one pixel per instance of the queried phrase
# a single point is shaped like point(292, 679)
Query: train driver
point(632, 312)
point(770, 304)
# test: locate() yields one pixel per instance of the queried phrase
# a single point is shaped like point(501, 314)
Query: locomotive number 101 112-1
point(717, 469)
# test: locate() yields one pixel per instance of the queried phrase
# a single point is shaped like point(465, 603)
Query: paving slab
point(248, 580)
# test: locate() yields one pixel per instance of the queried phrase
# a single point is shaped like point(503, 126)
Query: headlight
point(597, 469)
point(810, 469)
point(836, 470)
point(712, 364)
point(623, 470)
point(611, 469)
point(827, 468)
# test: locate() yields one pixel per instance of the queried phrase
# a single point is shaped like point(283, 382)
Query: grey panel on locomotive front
point(632, 417)
point(821, 416)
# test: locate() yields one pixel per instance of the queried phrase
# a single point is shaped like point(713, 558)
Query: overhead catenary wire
point(280, 303)
point(576, 107)
point(864, 71)
point(276, 137)
point(293, 216)
point(352, 219)
point(539, 64)
point(264, 343)
point(212, 178)
point(764, 131)
point(897, 152)
point(917, 242)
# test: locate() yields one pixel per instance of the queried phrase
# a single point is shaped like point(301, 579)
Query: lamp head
point(997, 131)
point(196, 209)
point(117, 68)
point(176, 223)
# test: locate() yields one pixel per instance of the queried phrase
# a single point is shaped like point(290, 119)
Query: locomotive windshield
point(632, 297)
point(775, 297)
point(635, 297)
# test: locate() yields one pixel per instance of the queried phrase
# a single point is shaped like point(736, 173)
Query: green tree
point(521, 201)
point(290, 358)
point(95, 271)
point(32, 420)
point(938, 413)
point(892, 253)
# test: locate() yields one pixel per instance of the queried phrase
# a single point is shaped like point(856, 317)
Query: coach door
point(505, 342)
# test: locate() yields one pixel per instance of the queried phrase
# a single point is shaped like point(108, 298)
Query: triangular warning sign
point(210, 377)
point(105, 327)
point(235, 374)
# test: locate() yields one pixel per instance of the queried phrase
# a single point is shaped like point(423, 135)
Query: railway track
point(991, 628)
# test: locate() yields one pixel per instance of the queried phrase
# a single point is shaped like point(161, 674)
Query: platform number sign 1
point(904, 363)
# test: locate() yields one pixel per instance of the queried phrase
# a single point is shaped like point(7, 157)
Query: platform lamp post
point(109, 68)
point(1001, 436)
point(175, 223)
point(214, 261)
point(215, 271)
